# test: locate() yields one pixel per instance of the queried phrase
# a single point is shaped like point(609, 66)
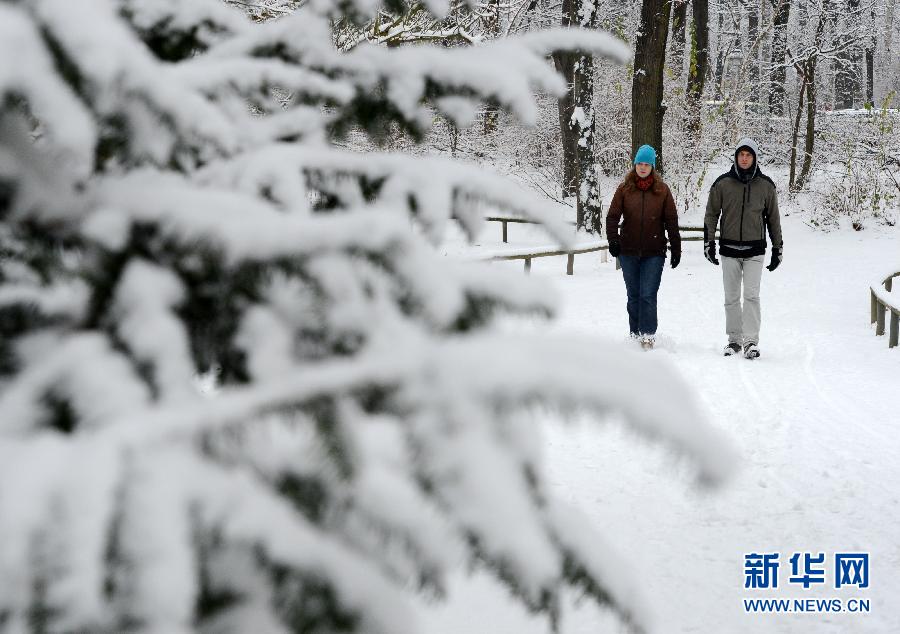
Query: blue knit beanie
point(645, 154)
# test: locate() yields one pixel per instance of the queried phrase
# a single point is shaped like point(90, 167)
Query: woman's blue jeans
point(642, 277)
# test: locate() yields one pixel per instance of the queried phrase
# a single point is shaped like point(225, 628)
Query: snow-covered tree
point(240, 391)
point(588, 203)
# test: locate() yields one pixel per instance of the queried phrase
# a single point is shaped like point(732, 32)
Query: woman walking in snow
point(645, 206)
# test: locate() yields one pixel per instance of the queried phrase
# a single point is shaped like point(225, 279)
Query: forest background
point(814, 81)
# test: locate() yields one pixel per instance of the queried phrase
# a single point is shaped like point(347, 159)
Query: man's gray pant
point(742, 325)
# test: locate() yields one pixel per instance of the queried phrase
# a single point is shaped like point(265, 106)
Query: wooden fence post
point(879, 328)
point(874, 307)
point(503, 222)
point(528, 270)
point(570, 264)
point(895, 327)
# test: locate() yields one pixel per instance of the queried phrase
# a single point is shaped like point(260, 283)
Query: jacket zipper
point(743, 203)
point(641, 243)
point(765, 221)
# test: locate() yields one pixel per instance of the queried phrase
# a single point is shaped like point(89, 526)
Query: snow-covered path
point(816, 420)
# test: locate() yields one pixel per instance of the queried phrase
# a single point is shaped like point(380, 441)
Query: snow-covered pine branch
point(167, 212)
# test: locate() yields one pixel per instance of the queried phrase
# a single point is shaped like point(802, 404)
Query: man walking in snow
point(744, 204)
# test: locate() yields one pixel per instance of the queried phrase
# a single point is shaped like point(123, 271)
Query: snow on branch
point(216, 19)
point(176, 213)
point(403, 177)
point(512, 379)
point(33, 78)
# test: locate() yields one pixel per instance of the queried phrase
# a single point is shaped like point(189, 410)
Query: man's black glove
point(615, 249)
point(710, 252)
point(676, 258)
point(776, 259)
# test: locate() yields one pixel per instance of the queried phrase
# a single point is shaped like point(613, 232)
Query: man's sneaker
point(751, 351)
point(732, 348)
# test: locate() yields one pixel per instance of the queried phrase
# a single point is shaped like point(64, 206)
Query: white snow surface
point(814, 420)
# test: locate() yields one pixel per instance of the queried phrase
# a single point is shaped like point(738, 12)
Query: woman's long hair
point(630, 182)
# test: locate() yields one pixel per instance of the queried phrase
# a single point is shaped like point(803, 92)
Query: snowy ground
point(816, 419)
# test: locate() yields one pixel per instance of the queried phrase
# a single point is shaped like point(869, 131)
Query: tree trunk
point(752, 56)
point(699, 63)
point(565, 66)
point(801, 73)
point(870, 59)
point(679, 20)
point(720, 51)
point(778, 72)
point(889, 29)
point(810, 124)
point(765, 48)
point(647, 109)
point(491, 21)
point(807, 69)
point(582, 125)
point(889, 24)
point(846, 82)
point(870, 75)
point(569, 171)
point(888, 58)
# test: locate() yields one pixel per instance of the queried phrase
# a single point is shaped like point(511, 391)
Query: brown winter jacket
point(644, 216)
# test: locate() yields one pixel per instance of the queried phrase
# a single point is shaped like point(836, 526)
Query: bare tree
point(565, 65)
point(888, 57)
point(647, 109)
point(828, 43)
point(722, 45)
point(491, 21)
point(679, 22)
point(753, 49)
point(778, 69)
point(847, 63)
point(699, 62)
point(871, 44)
point(805, 64)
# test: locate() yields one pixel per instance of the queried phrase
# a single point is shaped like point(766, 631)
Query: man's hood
point(750, 143)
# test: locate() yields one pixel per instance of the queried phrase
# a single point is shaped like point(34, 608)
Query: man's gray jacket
point(744, 209)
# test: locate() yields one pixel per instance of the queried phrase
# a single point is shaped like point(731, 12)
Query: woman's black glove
point(615, 249)
point(676, 258)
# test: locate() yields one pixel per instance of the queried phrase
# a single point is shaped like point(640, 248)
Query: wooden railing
point(505, 220)
point(691, 238)
point(529, 253)
point(882, 302)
